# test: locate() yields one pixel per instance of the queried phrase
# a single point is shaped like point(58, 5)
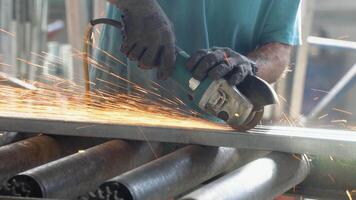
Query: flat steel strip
point(334, 143)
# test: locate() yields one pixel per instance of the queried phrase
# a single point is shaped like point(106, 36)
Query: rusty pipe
point(38, 150)
point(79, 173)
point(27, 154)
point(169, 175)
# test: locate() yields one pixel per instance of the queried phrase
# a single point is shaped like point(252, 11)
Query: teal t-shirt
point(239, 24)
point(242, 25)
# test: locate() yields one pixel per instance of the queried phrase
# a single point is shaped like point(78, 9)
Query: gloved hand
point(148, 35)
point(218, 63)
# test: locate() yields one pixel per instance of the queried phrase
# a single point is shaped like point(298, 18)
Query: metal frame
point(284, 139)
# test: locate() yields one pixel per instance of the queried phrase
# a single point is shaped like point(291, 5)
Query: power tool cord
point(88, 42)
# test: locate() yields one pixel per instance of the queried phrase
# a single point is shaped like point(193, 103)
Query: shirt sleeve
point(283, 23)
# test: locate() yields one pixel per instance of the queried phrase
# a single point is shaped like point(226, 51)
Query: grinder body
point(239, 106)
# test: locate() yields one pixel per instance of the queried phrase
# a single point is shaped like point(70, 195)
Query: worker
point(226, 39)
point(230, 38)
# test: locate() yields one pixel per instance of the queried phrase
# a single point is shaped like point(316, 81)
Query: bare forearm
point(272, 60)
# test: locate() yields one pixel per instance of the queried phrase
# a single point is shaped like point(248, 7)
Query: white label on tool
point(194, 84)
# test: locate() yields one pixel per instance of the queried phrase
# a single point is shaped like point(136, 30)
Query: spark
point(5, 65)
point(45, 59)
point(348, 195)
point(316, 98)
point(342, 111)
point(339, 121)
point(60, 99)
point(97, 31)
point(59, 59)
point(296, 157)
point(148, 142)
point(81, 151)
point(317, 90)
point(84, 127)
point(30, 63)
point(343, 37)
point(93, 39)
point(289, 121)
point(282, 98)
point(7, 32)
point(332, 178)
point(323, 116)
point(105, 53)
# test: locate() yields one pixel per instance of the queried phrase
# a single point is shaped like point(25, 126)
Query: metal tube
point(170, 175)
point(264, 178)
point(329, 178)
point(27, 154)
point(77, 174)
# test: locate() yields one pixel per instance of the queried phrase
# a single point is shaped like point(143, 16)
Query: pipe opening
point(115, 190)
point(26, 186)
point(124, 192)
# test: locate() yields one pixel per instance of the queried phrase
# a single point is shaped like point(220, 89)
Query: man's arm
point(271, 60)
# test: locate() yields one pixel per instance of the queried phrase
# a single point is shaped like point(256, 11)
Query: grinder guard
point(258, 91)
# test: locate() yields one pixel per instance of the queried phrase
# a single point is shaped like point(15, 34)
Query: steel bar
point(263, 179)
point(72, 176)
point(327, 42)
point(170, 175)
point(26, 154)
point(284, 139)
point(301, 60)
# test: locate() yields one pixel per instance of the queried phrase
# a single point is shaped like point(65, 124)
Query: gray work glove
point(148, 35)
point(217, 63)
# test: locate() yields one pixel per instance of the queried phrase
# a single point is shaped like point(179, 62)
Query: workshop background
point(317, 91)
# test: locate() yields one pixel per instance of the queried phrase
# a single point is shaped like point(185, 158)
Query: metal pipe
point(77, 174)
point(327, 142)
point(331, 43)
point(27, 154)
point(170, 175)
point(329, 178)
point(264, 178)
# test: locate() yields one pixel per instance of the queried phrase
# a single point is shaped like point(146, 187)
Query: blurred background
point(317, 90)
